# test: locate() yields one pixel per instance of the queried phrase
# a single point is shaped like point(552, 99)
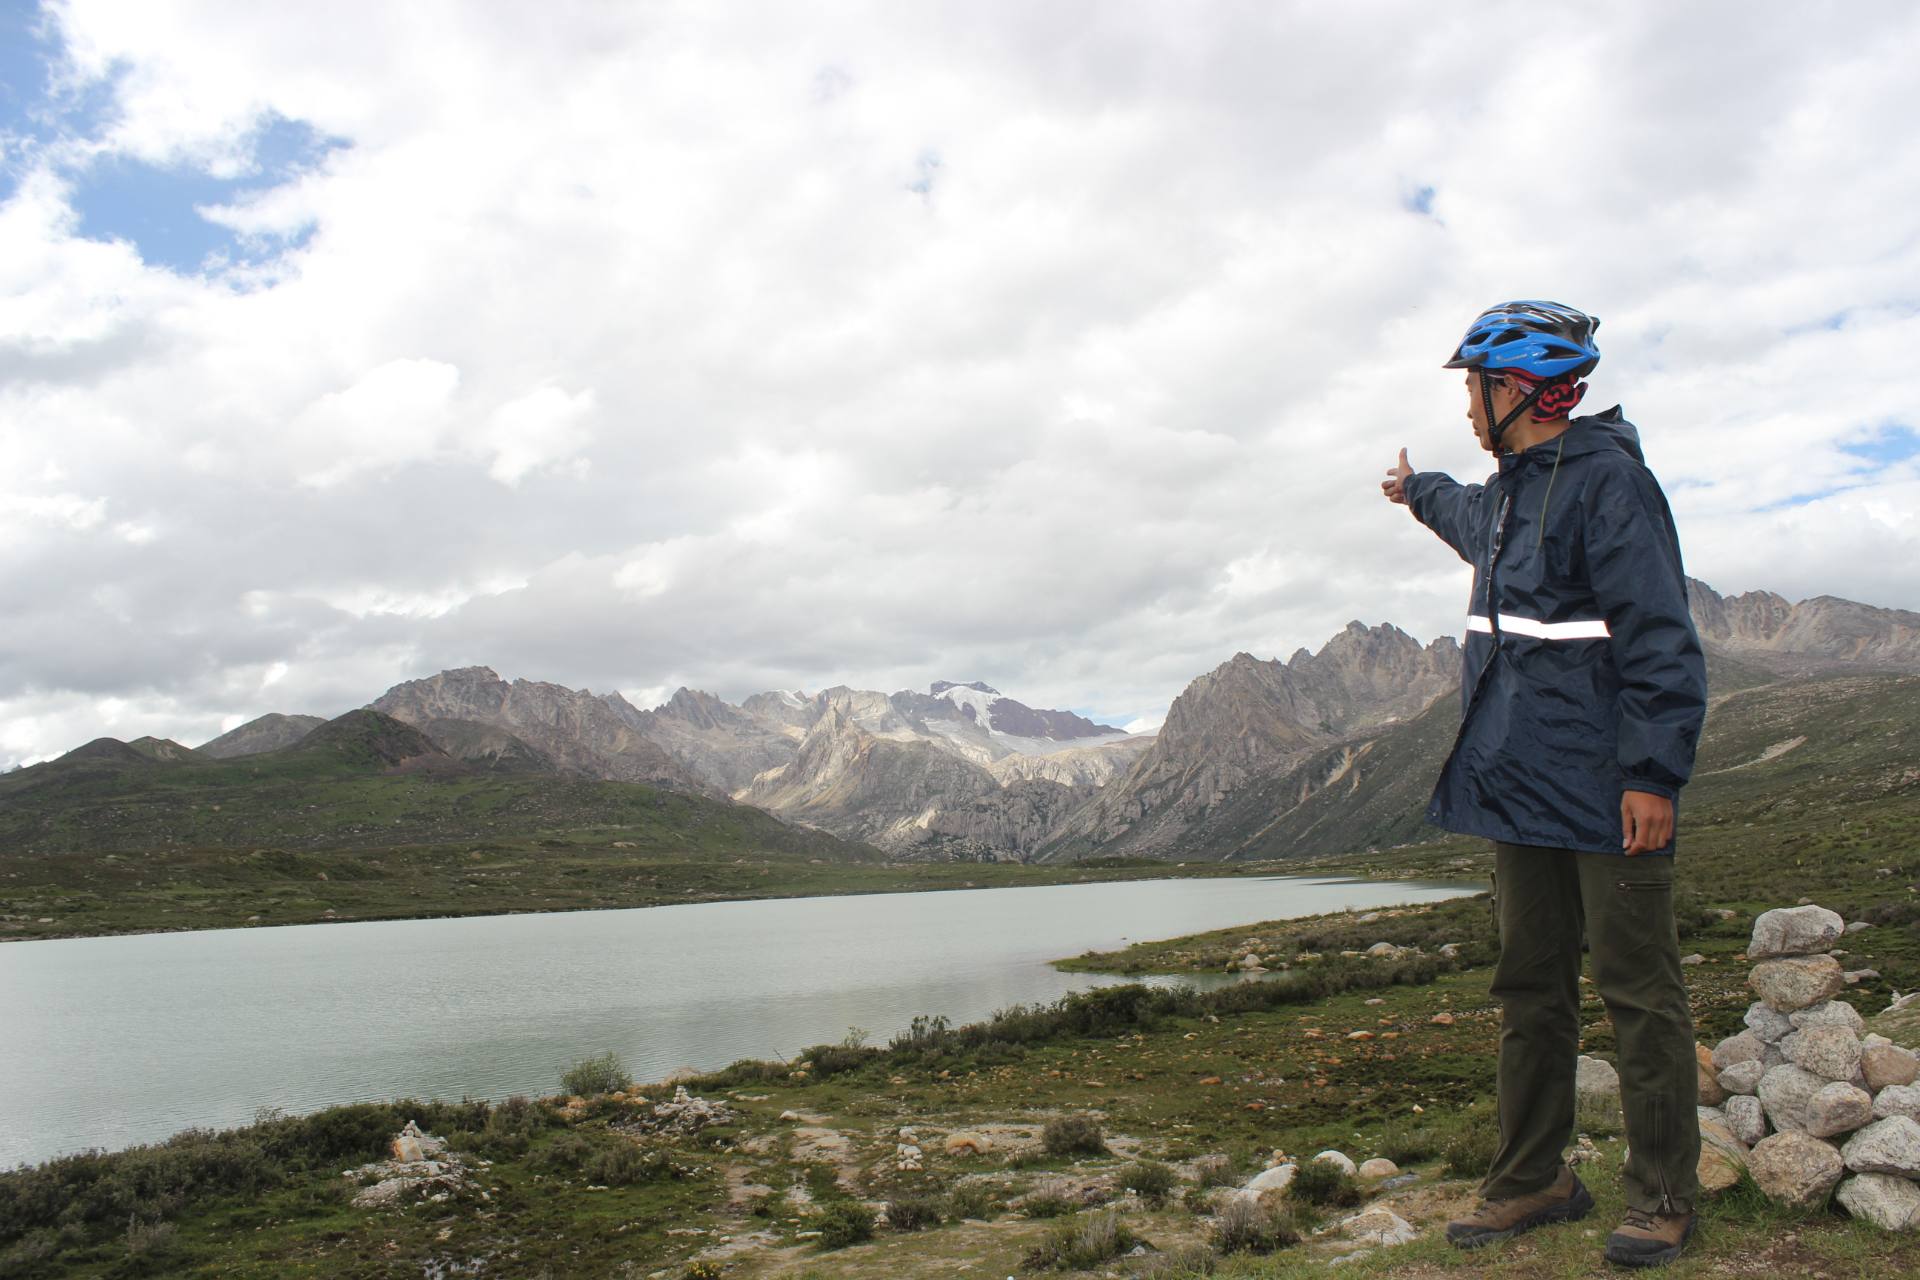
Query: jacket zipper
point(1631, 885)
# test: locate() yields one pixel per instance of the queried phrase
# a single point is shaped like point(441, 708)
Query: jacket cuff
point(1651, 788)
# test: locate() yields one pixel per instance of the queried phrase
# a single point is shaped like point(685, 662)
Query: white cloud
point(634, 347)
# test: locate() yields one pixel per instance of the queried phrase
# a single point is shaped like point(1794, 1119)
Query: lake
point(108, 1042)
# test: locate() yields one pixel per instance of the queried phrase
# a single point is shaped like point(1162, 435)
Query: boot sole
point(1658, 1258)
point(1577, 1206)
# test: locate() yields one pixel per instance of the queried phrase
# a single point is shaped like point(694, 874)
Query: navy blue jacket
point(1583, 675)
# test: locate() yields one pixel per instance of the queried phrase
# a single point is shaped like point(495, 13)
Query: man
point(1582, 699)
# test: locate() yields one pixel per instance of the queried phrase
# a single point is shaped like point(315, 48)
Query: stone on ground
point(1828, 1013)
point(1768, 1024)
point(1838, 1108)
point(1722, 1155)
point(1890, 1203)
point(1897, 1100)
point(1885, 1146)
point(1742, 1077)
point(1378, 1226)
point(1784, 1093)
point(1745, 1118)
point(1274, 1179)
point(1378, 1167)
point(1796, 981)
point(1795, 1168)
point(1888, 1064)
point(1595, 1078)
point(1734, 1050)
point(1794, 931)
point(1338, 1159)
point(1712, 1094)
point(1830, 1052)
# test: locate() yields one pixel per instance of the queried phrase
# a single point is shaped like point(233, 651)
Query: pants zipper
point(1658, 1153)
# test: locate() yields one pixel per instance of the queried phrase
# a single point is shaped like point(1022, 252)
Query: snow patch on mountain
point(975, 697)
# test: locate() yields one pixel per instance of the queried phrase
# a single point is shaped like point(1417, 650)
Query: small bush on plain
point(1469, 1153)
point(1244, 1225)
point(913, 1213)
point(1076, 1246)
point(1213, 1171)
point(1077, 1135)
point(1324, 1183)
point(1152, 1181)
point(844, 1222)
point(591, 1077)
point(973, 1200)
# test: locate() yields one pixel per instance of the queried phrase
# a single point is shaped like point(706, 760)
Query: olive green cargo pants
point(1546, 899)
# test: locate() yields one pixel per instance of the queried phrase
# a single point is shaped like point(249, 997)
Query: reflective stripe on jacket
point(1583, 676)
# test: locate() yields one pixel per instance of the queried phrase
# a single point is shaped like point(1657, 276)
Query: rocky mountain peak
point(1824, 633)
point(939, 687)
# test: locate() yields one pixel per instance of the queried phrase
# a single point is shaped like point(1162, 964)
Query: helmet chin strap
point(1497, 429)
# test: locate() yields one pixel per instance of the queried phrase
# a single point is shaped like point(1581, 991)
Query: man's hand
point(1395, 485)
point(1646, 822)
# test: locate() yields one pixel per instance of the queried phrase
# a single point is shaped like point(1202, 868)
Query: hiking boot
point(1649, 1239)
point(1565, 1200)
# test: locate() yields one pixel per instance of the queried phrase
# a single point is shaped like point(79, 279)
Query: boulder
point(1722, 1155)
point(1711, 1094)
point(1796, 981)
point(1885, 1065)
point(1828, 1013)
point(1378, 1226)
point(1742, 1077)
point(1796, 1169)
point(1595, 1079)
point(1383, 950)
point(968, 1144)
point(1897, 1100)
point(1378, 1167)
point(1890, 1203)
point(1885, 1146)
point(1838, 1108)
point(1830, 1052)
point(1338, 1159)
point(1745, 1047)
point(1768, 1024)
point(1794, 931)
point(1745, 1118)
point(1784, 1093)
point(1275, 1179)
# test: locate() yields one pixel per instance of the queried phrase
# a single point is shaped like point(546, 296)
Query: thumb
point(1403, 459)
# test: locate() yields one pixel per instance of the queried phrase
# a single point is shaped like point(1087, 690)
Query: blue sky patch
point(1891, 444)
point(1419, 200)
point(157, 209)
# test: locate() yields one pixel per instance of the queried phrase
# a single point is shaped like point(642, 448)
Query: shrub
point(624, 1164)
point(1181, 1261)
point(704, 1269)
point(1076, 1246)
point(1213, 1171)
point(592, 1076)
point(1244, 1225)
point(845, 1222)
point(1152, 1181)
point(973, 1200)
point(913, 1213)
point(1469, 1153)
point(1324, 1183)
point(1047, 1202)
point(1405, 1143)
point(1073, 1135)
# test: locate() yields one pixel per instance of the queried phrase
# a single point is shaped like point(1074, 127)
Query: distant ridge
point(270, 732)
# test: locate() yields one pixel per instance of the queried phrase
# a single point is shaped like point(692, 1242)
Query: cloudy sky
point(747, 346)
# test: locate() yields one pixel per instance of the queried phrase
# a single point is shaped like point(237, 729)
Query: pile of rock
point(1821, 1104)
point(420, 1166)
point(684, 1116)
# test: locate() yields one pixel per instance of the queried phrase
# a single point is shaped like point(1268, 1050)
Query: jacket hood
point(1593, 433)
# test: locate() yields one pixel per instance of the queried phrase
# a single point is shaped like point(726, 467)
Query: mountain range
point(1320, 752)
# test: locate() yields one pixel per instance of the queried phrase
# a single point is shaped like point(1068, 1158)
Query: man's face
point(1505, 396)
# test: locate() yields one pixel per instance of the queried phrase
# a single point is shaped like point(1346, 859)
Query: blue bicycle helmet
point(1544, 339)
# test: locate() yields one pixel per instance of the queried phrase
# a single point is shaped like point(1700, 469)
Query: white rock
point(1378, 1226)
point(1746, 1119)
point(1381, 950)
point(1885, 1065)
point(1857, 926)
point(1885, 1146)
point(1830, 1052)
point(1595, 1078)
point(1795, 982)
point(1769, 1024)
point(1745, 1047)
point(1275, 1179)
point(1784, 1093)
point(1838, 1108)
point(1897, 1100)
point(1890, 1203)
point(1378, 1167)
point(1795, 1168)
point(1742, 1077)
point(1828, 1013)
point(1794, 931)
point(1338, 1159)
point(1695, 958)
